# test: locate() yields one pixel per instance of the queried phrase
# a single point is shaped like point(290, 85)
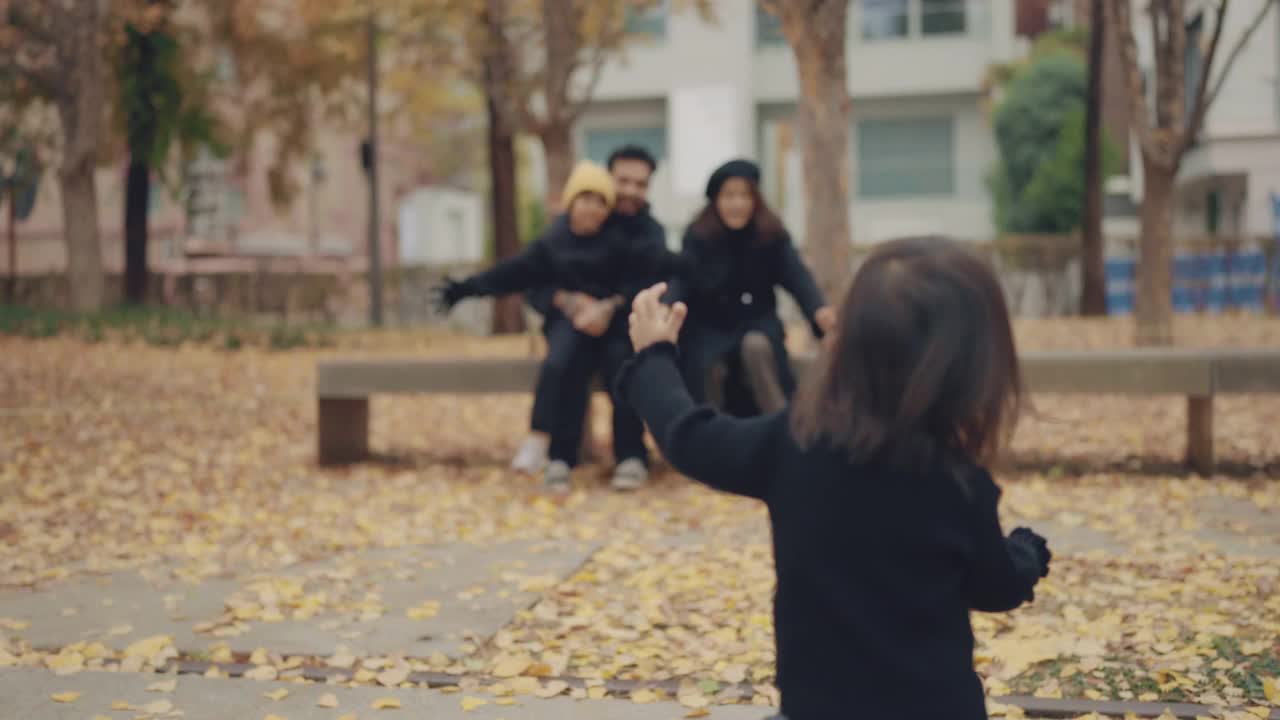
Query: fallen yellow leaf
point(163, 686)
point(1271, 689)
point(148, 646)
point(471, 703)
point(273, 717)
point(510, 666)
point(386, 703)
point(327, 700)
point(262, 672)
point(553, 688)
point(277, 694)
point(698, 713)
point(693, 700)
point(1259, 711)
point(348, 716)
point(392, 677)
point(65, 697)
point(643, 695)
point(121, 705)
point(157, 707)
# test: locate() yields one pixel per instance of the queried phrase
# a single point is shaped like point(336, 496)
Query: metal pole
point(375, 249)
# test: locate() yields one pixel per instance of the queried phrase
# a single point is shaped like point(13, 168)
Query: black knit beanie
point(734, 168)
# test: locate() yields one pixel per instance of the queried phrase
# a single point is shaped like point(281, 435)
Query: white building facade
point(1229, 181)
point(921, 145)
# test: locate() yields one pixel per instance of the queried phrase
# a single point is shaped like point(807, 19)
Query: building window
point(651, 20)
point(768, 27)
point(885, 19)
point(601, 142)
point(942, 17)
point(906, 157)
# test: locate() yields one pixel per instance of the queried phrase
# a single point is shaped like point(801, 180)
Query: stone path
point(413, 602)
point(367, 600)
point(27, 695)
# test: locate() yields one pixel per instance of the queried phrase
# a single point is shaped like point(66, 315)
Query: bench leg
point(1200, 434)
point(342, 430)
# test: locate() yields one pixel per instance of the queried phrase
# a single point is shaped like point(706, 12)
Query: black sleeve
point(726, 453)
point(541, 299)
point(685, 266)
point(648, 262)
point(530, 269)
point(996, 582)
point(796, 279)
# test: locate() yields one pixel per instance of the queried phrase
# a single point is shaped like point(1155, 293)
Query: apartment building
point(697, 93)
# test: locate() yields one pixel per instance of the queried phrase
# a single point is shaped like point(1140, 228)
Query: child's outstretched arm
point(1005, 570)
point(724, 452)
point(530, 269)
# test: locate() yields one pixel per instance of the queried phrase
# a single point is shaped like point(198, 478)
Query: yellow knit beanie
point(588, 177)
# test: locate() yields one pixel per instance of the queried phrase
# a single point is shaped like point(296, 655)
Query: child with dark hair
point(735, 253)
point(885, 525)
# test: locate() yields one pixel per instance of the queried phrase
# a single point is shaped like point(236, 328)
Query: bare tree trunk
point(1093, 300)
point(80, 101)
point(80, 230)
point(508, 316)
point(1155, 256)
point(815, 29)
point(557, 146)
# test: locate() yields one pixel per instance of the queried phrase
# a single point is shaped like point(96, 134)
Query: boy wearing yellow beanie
point(578, 253)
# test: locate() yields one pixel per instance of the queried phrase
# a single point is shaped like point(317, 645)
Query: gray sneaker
point(556, 478)
point(631, 474)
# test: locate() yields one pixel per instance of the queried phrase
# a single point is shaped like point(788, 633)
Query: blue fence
point(1245, 278)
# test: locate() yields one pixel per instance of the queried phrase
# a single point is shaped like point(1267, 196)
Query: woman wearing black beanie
point(736, 252)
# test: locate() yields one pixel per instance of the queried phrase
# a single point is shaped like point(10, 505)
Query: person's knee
point(756, 346)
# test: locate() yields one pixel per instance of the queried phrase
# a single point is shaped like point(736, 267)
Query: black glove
point(1036, 543)
point(451, 293)
point(1030, 555)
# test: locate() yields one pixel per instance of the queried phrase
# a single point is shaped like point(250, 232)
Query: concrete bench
point(343, 386)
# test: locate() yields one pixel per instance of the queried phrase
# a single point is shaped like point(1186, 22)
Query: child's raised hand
point(652, 322)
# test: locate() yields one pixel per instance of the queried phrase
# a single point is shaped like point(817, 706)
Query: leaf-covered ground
point(198, 463)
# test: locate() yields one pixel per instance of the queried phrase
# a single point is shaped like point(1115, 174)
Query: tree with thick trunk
point(1165, 136)
point(1093, 296)
point(816, 32)
point(59, 52)
point(508, 313)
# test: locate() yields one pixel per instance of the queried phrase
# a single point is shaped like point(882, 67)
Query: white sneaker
point(531, 458)
point(631, 474)
point(556, 478)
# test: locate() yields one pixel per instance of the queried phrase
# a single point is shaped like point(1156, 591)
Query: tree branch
point(1140, 120)
point(1207, 101)
point(609, 40)
point(1198, 99)
point(21, 16)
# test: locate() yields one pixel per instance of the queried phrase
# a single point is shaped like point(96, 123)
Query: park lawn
point(198, 461)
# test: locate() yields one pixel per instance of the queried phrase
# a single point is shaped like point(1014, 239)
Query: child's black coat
point(877, 572)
